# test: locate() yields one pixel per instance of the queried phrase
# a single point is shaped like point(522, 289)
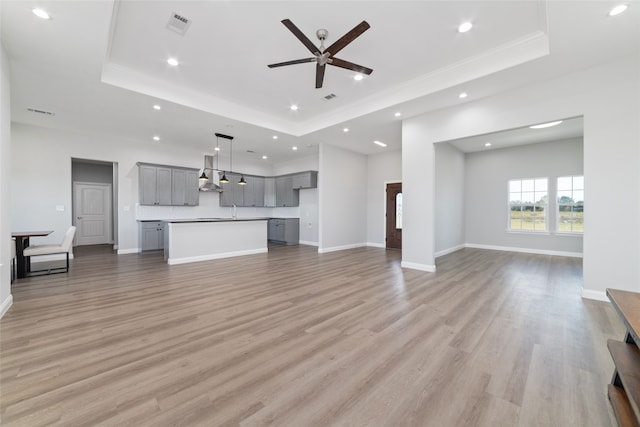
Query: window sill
point(569, 234)
point(534, 233)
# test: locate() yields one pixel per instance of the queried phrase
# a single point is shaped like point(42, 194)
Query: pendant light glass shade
point(242, 181)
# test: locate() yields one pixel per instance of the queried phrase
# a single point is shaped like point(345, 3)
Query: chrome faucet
point(234, 213)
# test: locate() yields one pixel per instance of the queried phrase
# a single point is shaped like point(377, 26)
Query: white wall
point(342, 199)
point(382, 168)
point(418, 195)
point(5, 178)
point(608, 97)
point(488, 173)
point(450, 200)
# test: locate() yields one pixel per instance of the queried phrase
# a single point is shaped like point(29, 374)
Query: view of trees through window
point(528, 203)
point(570, 204)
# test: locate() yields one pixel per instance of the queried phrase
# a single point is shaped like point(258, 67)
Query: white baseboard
point(308, 243)
point(340, 248)
point(128, 251)
point(525, 250)
point(416, 266)
point(53, 257)
point(185, 260)
point(596, 295)
point(449, 251)
point(376, 245)
point(6, 305)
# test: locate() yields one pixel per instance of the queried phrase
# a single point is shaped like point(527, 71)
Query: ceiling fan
point(324, 56)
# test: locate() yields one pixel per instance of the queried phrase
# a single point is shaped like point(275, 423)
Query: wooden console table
point(624, 390)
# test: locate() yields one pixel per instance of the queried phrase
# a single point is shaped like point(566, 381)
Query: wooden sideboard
point(624, 390)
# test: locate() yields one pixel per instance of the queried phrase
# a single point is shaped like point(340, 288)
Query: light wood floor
point(296, 338)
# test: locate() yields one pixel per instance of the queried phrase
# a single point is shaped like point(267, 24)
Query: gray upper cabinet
point(307, 179)
point(184, 187)
point(254, 191)
point(270, 192)
point(285, 194)
point(192, 188)
point(166, 186)
point(154, 185)
point(251, 194)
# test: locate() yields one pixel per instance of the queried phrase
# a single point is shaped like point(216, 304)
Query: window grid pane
point(570, 207)
point(528, 199)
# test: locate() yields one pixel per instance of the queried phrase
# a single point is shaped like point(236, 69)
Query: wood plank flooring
point(297, 338)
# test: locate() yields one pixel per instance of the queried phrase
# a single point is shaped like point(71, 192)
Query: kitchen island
point(202, 239)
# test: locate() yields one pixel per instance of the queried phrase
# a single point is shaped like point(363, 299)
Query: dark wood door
point(394, 216)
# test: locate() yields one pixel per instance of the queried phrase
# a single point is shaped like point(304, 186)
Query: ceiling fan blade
point(350, 66)
point(304, 39)
point(339, 44)
point(319, 75)
point(295, 61)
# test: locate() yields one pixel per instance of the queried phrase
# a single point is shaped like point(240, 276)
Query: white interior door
point(92, 211)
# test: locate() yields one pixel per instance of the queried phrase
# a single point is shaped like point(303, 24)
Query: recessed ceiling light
point(464, 27)
point(345, 130)
point(463, 95)
point(264, 157)
point(156, 138)
point(618, 10)
point(294, 107)
point(275, 137)
point(157, 107)
point(40, 13)
point(487, 144)
point(217, 148)
point(545, 125)
point(381, 144)
point(397, 114)
point(173, 62)
point(294, 148)
point(358, 77)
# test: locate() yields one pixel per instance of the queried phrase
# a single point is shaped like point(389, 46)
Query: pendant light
point(203, 177)
point(242, 181)
point(224, 178)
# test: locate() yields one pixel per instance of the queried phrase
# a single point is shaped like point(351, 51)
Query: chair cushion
point(43, 250)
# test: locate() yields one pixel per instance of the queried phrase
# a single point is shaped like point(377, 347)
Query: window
point(570, 200)
point(399, 211)
point(528, 202)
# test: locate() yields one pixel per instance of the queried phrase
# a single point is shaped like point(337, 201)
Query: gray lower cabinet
point(151, 235)
point(284, 230)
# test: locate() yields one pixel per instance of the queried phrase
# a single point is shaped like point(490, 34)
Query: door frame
point(108, 211)
point(384, 210)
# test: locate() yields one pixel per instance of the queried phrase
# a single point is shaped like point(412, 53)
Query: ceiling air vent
point(330, 96)
point(46, 113)
point(178, 23)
